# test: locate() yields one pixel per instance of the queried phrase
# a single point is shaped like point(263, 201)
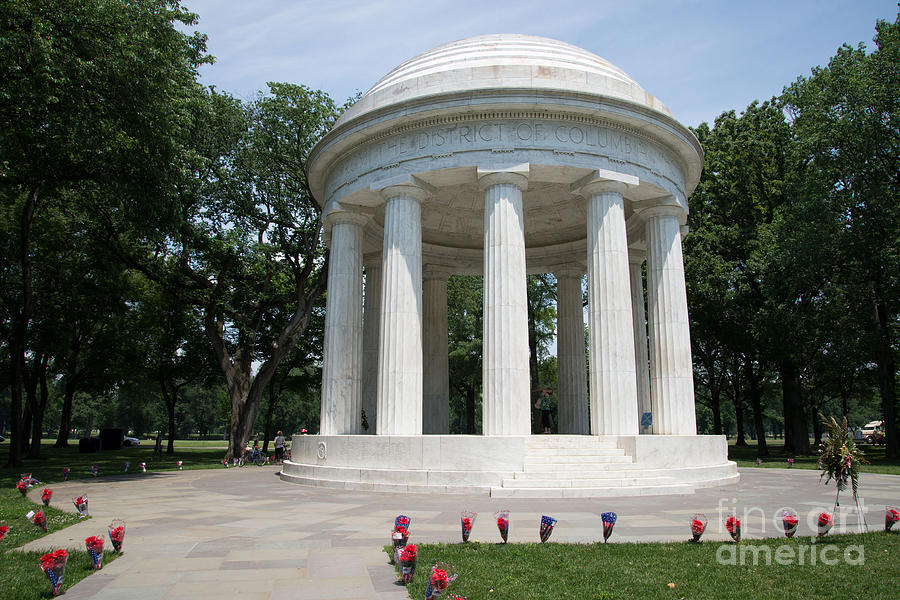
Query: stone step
point(587, 482)
point(569, 441)
point(633, 471)
point(560, 463)
point(540, 452)
point(591, 492)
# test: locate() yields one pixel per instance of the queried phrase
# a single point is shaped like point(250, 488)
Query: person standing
point(279, 446)
point(157, 450)
point(545, 405)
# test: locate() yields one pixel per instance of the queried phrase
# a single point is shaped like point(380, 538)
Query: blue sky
point(699, 57)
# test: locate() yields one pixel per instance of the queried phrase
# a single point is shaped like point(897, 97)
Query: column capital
point(569, 271)
point(663, 210)
point(517, 176)
point(408, 190)
point(344, 216)
point(436, 272)
point(600, 186)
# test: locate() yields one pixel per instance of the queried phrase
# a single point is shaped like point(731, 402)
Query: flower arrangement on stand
point(22, 487)
point(442, 575)
point(81, 505)
point(116, 531)
point(54, 565)
point(698, 526)
point(547, 524)
point(840, 459)
point(46, 495)
point(466, 522)
point(609, 521)
point(789, 521)
point(37, 519)
point(733, 527)
point(502, 517)
point(891, 516)
point(4, 529)
point(94, 546)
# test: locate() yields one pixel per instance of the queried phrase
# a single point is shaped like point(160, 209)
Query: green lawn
point(745, 456)
point(644, 571)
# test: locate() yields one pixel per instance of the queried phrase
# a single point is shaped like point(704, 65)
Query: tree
point(848, 118)
point(89, 104)
point(465, 317)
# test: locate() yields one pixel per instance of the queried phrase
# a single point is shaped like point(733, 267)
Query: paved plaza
point(243, 533)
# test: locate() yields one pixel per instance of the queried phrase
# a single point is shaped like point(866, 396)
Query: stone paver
point(244, 533)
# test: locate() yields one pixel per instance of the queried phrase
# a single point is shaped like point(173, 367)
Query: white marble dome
point(502, 61)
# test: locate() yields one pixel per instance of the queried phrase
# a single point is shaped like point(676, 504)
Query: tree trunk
point(37, 415)
point(270, 414)
point(817, 429)
point(756, 402)
point(715, 394)
point(65, 419)
point(739, 418)
point(796, 433)
point(887, 374)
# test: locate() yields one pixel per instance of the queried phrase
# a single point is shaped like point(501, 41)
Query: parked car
point(130, 441)
point(873, 432)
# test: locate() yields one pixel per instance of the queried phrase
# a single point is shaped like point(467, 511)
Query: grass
point(745, 456)
point(644, 571)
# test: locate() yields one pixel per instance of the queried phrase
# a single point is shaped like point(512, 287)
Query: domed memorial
point(501, 156)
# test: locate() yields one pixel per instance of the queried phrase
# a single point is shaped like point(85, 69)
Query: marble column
point(611, 337)
point(671, 375)
point(400, 339)
point(641, 358)
point(371, 320)
point(506, 400)
point(572, 395)
point(342, 359)
point(436, 368)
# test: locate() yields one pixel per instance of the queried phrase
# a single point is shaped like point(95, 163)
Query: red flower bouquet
point(442, 575)
point(547, 524)
point(116, 532)
point(54, 565)
point(502, 517)
point(825, 523)
point(733, 526)
point(891, 516)
point(81, 505)
point(45, 496)
point(698, 526)
point(407, 560)
point(466, 522)
point(37, 519)
point(399, 538)
point(789, 521)
point(4, 529)
point(95, 549)
point(22, 487)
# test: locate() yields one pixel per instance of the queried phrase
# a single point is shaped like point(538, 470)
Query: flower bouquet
point(4, 529)
point(116, 532)
point(402, 521)
point(609, 521)
point(698, 526)
point(891, 516)
point(789, 521)
point(22, 487)
point(399, 538)
point(466, 522)
point(758, 461)
point(502, 517)
point(54, 565)
point(733, 526)
point(825, 523)
point(29, 480)
point(45, 496)
point(407, 561)
point(179, 465)
point(95, 549)
point(143, 467)
point(81, 505)
point(37, 519)
point(442, 575)
point(547, 524)
point(790, 463)
point(66, 473)
point(94, 470)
